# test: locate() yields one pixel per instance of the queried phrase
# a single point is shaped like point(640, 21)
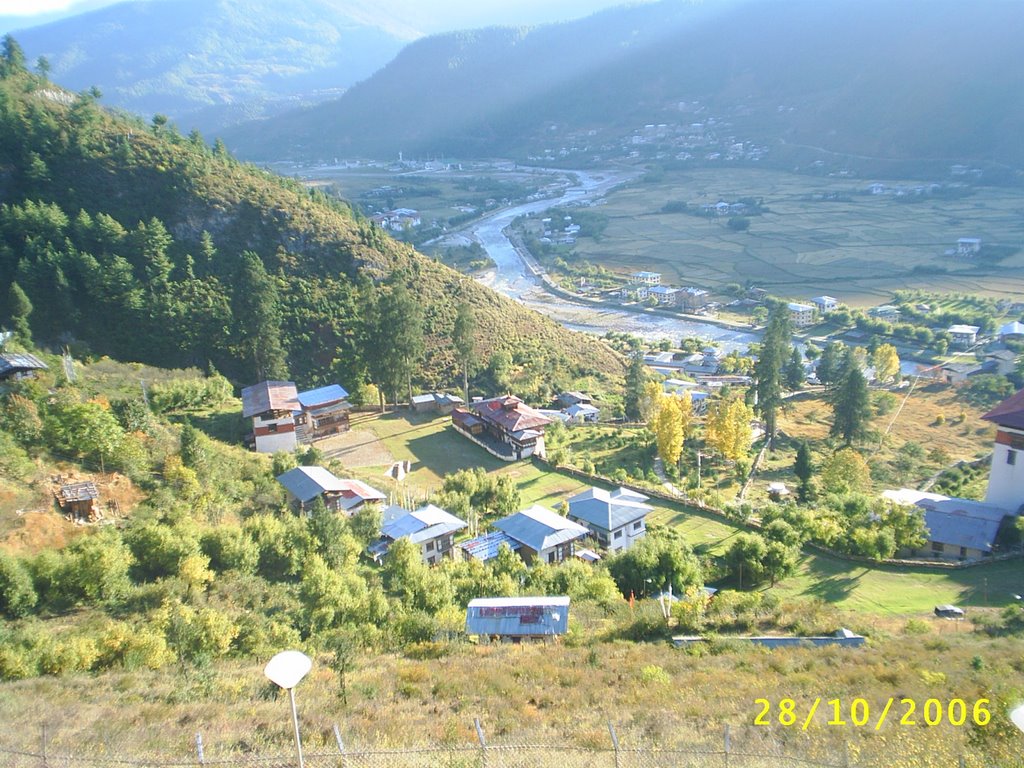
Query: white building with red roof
point(1006, 481)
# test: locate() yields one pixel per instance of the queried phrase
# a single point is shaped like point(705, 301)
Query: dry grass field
point(859, 251)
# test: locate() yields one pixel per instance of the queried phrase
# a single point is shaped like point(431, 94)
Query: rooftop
point(424, 524)
point(539, 528)
point(510, 413)
point(608, 510)
point(958, 522)
point(13, 363)
point(269, 396)
point(1009, 413)
point(332, 393)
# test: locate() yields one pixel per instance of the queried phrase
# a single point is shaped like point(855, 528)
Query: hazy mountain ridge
point(207, 64)
point(937, 80)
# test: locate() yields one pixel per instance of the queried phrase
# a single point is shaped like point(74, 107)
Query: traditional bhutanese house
point(959, 529)
point(544, 536)
point(324, 413)
point(569, 399)
point(1012, 331)
point(436, 401)
point(518, 617)
point(504, 425)
point(80, 500)
point(583, 413)
point(1006, 479)
point(272, 406)
point(486, 547)
point(16, 365)
point(964, 335)
point(616, 518)
point(430, 528)
point(306, 484)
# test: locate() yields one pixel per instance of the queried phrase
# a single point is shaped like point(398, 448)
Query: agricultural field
point(859, 248)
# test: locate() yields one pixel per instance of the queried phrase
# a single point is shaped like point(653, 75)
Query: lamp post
point(287, 669)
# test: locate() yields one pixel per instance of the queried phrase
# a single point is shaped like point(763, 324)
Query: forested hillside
point(133, 241)
point(919, 81)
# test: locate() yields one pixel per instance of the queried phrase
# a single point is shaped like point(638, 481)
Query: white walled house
point(543, 536)
point(1006, 481)
point(616, 518)
point(802, 315)
point(272, 406)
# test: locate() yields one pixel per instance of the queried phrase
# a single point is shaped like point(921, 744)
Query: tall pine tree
point(775, 349)
point(850, 402)
point(257, 313)
point(464, 341)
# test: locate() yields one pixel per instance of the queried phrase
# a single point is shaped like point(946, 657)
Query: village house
point(958, 529)
point(802, 315)
point(272, 406)
point(583, 413)
point(886, 312)
point(635, 292)
point(964, 336)
point(306, 484)
point(569, 399)
point(324, 412)
point(1012, 331)
point(663, 294)
point(957, 374)
point(543, 536)
point(1006, 479)
point(690, 299)
point(283, 418)
point(505, 426)
point(645, 278)
point(968, 246)
point(440, 402)
point(616, 518)
point(517, 617)
point(80, 501)
point(18, 365)
point(431, 528)
point(825, 304)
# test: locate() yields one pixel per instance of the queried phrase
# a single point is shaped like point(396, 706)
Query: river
point(512, 278)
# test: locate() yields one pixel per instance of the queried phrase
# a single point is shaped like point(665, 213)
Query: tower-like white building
point(1006, 481)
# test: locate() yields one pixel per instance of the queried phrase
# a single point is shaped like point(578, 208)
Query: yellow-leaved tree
point(728, 429)
point(670, 426)
point(886, 362)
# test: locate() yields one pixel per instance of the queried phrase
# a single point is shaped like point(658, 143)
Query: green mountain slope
point(912, 80)
point(133, 240)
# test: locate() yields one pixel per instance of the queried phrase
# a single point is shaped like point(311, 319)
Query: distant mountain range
point(212, 63)
point(914, 80)
point(208, 63)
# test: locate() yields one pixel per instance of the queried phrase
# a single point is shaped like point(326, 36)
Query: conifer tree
point(464, 341)
point(636, 378)
point(20, 309)
point(257, 314)
point(850, 403)
point(769, 367)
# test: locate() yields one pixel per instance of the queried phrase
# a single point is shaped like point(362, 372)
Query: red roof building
point(505, 425)
point(1006, 480)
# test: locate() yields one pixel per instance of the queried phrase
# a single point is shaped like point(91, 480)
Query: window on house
point(638, 525)
point(271, 427)
point(551, 557)
point(1011, 457)
point(963, 551)
point(430, 546)
point(618, 534)
point(937, 546)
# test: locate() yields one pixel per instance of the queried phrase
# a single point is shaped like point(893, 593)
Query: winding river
point(512, 278)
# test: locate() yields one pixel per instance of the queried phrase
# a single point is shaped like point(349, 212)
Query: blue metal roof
point(424, 524)
point(328, 394)
point(608, 511)
point(486, 547)
point(540, 528)
point(953, 521)
point(306, 483)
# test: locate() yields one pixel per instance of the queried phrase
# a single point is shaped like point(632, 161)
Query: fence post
point(963, 762)
point(727, 744)
point(615, 744)
point(199, 749)
point(43, 738)
point(341, 745)
point(483, 743)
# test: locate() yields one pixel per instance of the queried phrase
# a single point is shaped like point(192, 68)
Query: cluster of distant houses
point(647, 285)
point(397, 220)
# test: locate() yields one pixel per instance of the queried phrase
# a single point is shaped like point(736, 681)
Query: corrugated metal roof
point(952, 521)
point(509, 413)
point(518, 616)
point(19, 362)
point(424, 524)
point(306, 483)
point(269, 396)
point(486, 547)
point(314, 397)
point(608, 510)
point(539, 528)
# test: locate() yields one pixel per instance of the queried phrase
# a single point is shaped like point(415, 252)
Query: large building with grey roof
point(544, 536)
point(430, 528)
point(616, 518)
point(306, 484)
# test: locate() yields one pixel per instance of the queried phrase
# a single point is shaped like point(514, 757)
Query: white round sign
point(287, 668)
point(1017, 716)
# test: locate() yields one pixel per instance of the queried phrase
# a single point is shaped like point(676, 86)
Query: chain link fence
point(715, 748)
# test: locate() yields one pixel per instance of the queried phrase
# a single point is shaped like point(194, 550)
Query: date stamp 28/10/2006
point(859, 712)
